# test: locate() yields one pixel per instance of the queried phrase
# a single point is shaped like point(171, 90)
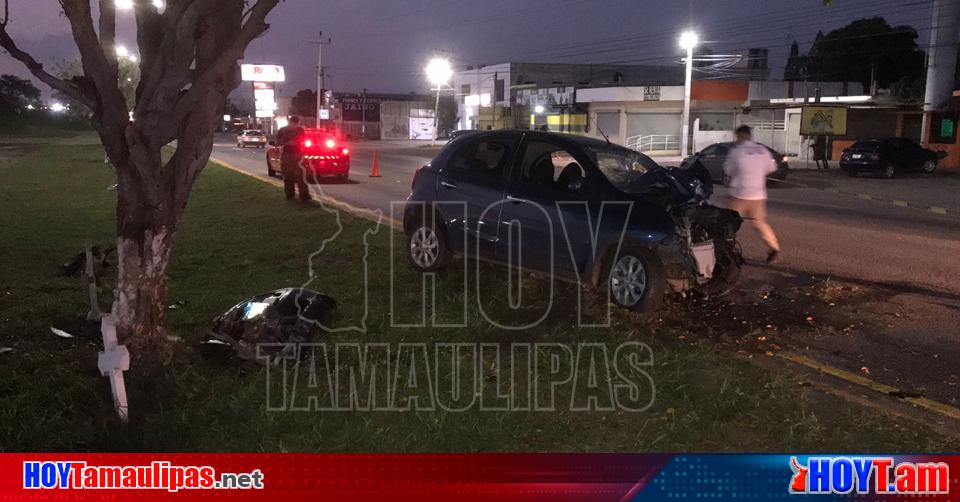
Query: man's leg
point(303, 186)
point(756, 212)
point(289, 182)
point(766, 231)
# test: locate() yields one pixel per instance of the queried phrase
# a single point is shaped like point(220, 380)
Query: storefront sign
point(823, 121)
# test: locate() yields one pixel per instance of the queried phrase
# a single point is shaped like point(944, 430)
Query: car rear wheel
point(929, 166)
point(889, 170)
point(427, 248)
point(634, 280)
point(270, 172)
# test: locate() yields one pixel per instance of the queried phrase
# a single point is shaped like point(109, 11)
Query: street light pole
point(438, 73)
point(436, 117)
point(688, 40)
point(320, 74)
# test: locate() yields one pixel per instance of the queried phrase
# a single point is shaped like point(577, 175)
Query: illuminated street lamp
point(123, 53)
point(128, 4)
point(438, 74)
point(688, 40)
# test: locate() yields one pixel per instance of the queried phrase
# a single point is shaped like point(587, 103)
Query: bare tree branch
point(95, 63)
point(108, 33)
point(35, 67)
point(254, 26)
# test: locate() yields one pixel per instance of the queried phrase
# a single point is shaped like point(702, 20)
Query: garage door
point(648, 124)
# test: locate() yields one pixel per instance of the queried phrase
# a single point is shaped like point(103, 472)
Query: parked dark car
point(888, 157)
point(584, 210)
point(713, 157)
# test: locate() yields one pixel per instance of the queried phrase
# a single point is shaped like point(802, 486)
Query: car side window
point(486, 157)
point(550, 166)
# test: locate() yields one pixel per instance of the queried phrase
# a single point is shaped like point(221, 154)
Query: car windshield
point(622, 167)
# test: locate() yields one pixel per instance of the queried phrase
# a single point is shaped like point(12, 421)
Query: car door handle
point(516, 200)
point(447, 184)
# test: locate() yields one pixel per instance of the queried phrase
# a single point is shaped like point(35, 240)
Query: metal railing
point(764, 125)
point(653, 143)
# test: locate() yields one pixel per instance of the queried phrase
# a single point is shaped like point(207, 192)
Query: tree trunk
point(145, 234)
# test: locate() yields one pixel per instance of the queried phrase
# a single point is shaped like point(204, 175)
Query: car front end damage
point(702, 254)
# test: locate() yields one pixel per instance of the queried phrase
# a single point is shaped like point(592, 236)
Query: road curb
point(366, 214)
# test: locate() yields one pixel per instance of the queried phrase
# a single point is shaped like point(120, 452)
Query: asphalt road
point(906, 259)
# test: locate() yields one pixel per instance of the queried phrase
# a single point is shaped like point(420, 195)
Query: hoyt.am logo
point(868, 475)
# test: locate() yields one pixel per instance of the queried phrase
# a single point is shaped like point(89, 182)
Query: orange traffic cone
point(376, 165)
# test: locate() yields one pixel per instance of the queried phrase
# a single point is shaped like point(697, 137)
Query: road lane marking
point(366, 214)
point(942, 211)
point(922, 402)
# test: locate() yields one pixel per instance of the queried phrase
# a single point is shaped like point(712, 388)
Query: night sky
point(383, 44)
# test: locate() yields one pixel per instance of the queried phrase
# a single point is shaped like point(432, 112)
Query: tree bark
point(146, 228)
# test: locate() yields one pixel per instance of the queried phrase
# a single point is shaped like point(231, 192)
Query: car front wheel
point(427, 248)
point(929, 166)
point(634, 281)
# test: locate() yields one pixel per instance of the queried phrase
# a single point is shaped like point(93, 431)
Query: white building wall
point(481, 81)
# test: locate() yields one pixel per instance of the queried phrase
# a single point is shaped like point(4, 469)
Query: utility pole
point(363, 114)
point(496, 76)
point(321, 81)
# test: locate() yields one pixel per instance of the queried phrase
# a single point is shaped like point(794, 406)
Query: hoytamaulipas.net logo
point(868, 475)
point(158, 475)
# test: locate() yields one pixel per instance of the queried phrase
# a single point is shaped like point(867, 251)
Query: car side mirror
point(575, 185)
point(272, 143)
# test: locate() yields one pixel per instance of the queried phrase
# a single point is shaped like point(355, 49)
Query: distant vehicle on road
point(575, 208)
point(713, 157)
point(251, 137)
point(888, 157)
point(323, 156)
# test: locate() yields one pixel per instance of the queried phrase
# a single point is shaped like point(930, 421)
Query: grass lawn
point(240, 238)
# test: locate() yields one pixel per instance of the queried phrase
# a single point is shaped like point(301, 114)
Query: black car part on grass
point(275, 322)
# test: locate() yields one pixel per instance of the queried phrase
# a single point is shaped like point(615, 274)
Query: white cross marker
point(113, 361)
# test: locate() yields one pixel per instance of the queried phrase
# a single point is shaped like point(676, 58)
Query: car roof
point(729, 144)
point(581, 141)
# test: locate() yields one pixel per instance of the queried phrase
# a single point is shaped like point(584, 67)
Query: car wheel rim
point(888, 172)
point(929, 166)
point(424, 247)
point(628, 281)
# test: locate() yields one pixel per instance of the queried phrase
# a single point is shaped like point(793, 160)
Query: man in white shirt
point(747, 166)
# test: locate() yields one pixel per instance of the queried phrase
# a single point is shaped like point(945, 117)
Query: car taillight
point(345, 151)
point(331, 143)
point(416, 174)
point(786, 159)
point(307, 143)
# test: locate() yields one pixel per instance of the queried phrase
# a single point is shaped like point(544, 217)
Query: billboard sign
point(262, 73)
point(264, 99)
point(352, 108)
point(823, 121)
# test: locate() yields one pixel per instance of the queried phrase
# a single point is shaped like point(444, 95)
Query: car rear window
point(866, 144)
point(252, 133)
